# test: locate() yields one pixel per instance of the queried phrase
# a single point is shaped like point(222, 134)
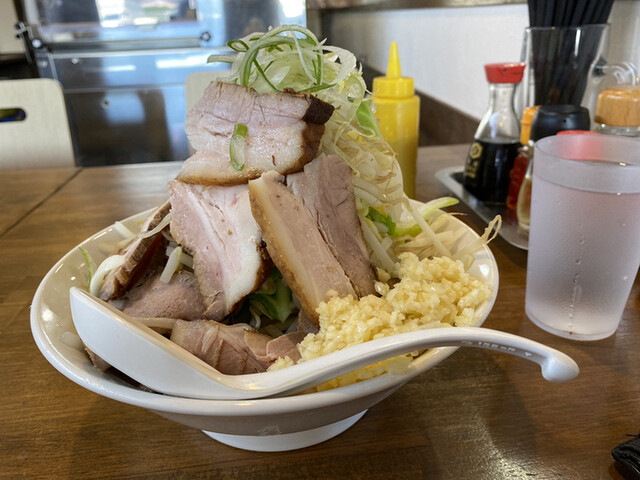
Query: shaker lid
point(619, 106)
point(551, 119)
point(504, 72)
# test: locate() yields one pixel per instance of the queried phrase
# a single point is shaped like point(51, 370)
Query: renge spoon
point(156, 362)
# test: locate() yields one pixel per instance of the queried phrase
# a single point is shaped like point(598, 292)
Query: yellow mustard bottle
point(397, 108)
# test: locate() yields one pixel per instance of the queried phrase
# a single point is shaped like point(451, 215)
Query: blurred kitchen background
point(123, 63)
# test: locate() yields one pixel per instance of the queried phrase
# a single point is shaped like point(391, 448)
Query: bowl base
point(286, 441)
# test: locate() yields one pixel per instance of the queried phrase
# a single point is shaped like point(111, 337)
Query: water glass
point(584, 240)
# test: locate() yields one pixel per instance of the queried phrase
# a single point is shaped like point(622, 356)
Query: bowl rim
point(104, 384)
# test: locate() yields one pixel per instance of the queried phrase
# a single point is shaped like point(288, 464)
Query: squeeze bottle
point(398, 111)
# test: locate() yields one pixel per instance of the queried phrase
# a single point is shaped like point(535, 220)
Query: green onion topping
point(237, 145)
point(383, 219)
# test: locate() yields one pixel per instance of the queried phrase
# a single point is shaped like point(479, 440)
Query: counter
point(478, 415)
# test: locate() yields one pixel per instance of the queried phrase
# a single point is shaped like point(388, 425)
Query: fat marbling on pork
point(215, 225)
point(283, 133)
point(304, 229)
point(326, 189)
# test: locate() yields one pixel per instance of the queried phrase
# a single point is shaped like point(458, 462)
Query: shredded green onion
point(368, 120)
point(185, 258)
point(163, 223)
point(90, 264)
point(426, 210)
point(172, 265)
point(383, 219)
point(292, 57)
point(114, 261)
point(465, 254)
point(237, 146)
point(124, 231)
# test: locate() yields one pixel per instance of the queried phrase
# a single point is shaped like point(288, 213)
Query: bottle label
point(471, 168)
point(486, 172)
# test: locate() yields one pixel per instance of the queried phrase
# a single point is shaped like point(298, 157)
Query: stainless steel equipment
point(123, 64)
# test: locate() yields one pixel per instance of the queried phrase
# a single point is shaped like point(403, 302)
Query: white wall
point(445, 49)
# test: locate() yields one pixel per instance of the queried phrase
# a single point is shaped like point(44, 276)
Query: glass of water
point(584, 239)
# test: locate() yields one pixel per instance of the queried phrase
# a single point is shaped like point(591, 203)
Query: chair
point(42, 139)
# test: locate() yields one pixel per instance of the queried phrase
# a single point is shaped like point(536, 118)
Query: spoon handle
point(555, 365)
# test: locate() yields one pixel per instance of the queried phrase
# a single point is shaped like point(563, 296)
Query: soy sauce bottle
point(497, 139)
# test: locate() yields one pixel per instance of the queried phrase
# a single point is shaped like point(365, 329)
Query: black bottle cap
point(551, 119)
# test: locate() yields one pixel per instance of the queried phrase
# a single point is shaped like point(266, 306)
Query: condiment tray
point(451, 178)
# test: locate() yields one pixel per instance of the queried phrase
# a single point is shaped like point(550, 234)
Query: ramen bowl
point(269, 424)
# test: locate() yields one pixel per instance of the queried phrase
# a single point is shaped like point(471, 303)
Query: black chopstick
point(539, 12)
point(601, 14)
point(588, 15)
point(577, 10)
point(560, 16)
point(563, 13)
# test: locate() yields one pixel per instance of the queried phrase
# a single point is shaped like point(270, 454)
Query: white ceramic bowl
point(273, 424)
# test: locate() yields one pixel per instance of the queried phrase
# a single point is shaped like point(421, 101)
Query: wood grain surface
point(23, 191)
point(477, 415)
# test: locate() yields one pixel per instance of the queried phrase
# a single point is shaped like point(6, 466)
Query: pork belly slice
point(234, 349)
point(285, 346)
point(296, 245)
point(215, 225)
point(231, 349)
point(283, 133)
point(140, 254)
point(326, 189)
point(179, 298)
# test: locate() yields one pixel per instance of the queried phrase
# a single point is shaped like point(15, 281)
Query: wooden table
point(478, 415)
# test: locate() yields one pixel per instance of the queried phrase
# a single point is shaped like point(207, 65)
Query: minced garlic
point(431, 293)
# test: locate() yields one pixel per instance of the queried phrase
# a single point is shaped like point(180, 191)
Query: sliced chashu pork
point(233, 349)
point(139, 255)
point(326, 189)
point(285, 346)
point(283, 133)
point(296, 245)
point(224, 347)
point(215, 225)
point(178, 298)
